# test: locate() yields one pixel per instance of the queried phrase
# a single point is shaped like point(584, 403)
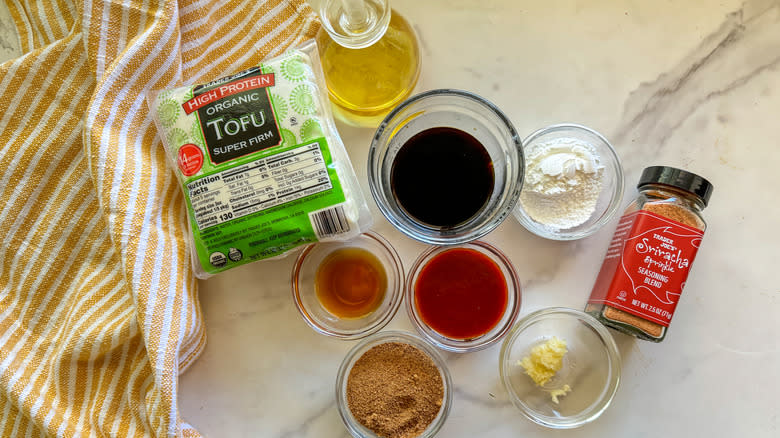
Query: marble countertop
point(691, 84)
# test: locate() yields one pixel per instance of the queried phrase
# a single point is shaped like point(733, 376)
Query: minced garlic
point(560, 392)
point(545, 360)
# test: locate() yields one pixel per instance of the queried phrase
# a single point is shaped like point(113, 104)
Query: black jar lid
point(678, 178)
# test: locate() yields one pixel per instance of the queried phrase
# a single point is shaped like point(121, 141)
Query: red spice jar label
point(646, 266)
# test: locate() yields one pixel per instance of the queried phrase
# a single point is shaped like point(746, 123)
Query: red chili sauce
point(461, 294)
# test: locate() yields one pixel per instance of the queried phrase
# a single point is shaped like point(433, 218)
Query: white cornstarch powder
point(562, 182)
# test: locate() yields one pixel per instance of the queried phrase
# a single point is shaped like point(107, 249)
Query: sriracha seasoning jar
point(647, 262)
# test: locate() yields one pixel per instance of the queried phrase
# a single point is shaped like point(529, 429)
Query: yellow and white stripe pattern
point(98, 305)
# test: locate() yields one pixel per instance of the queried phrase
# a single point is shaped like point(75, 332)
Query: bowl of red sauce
point(463, 297)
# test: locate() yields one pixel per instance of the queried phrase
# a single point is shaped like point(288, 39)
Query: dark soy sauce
point(442, 176)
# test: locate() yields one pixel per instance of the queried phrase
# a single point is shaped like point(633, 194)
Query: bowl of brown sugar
point(393, 385)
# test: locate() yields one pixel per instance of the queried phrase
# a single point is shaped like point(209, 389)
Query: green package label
point(256, 168)
point(266, 206)
point(231, 114)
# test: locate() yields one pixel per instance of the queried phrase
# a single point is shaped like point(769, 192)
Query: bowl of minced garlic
point(560, 367)
point(545, 360)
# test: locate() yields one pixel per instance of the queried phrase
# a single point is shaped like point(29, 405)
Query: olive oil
point(366, 83)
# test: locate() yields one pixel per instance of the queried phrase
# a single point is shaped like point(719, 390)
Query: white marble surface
point(9, 41)
point(693, 84)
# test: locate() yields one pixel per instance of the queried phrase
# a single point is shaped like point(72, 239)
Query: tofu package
point(260, 162)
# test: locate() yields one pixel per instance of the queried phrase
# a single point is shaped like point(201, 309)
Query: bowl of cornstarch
point(573, 182)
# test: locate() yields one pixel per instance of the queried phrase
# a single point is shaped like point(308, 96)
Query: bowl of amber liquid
point(350, 289)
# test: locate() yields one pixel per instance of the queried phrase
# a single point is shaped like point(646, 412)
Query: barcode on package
point(329, 222)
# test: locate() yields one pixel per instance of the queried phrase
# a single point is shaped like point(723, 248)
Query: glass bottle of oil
point(370, 56)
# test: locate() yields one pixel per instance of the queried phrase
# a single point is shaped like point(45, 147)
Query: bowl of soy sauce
point(446, 167)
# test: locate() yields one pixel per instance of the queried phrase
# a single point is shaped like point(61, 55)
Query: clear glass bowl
point(611, 190)
point(322, 321)
point(498, 331)
point(591, 367)
point(464, 111)
point(356, 429)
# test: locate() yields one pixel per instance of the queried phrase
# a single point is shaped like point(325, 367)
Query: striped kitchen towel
point(98, 305)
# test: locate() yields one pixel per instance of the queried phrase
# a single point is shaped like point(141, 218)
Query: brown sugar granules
point(395, 390)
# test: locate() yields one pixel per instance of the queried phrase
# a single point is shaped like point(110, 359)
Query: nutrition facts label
point(258, 185)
